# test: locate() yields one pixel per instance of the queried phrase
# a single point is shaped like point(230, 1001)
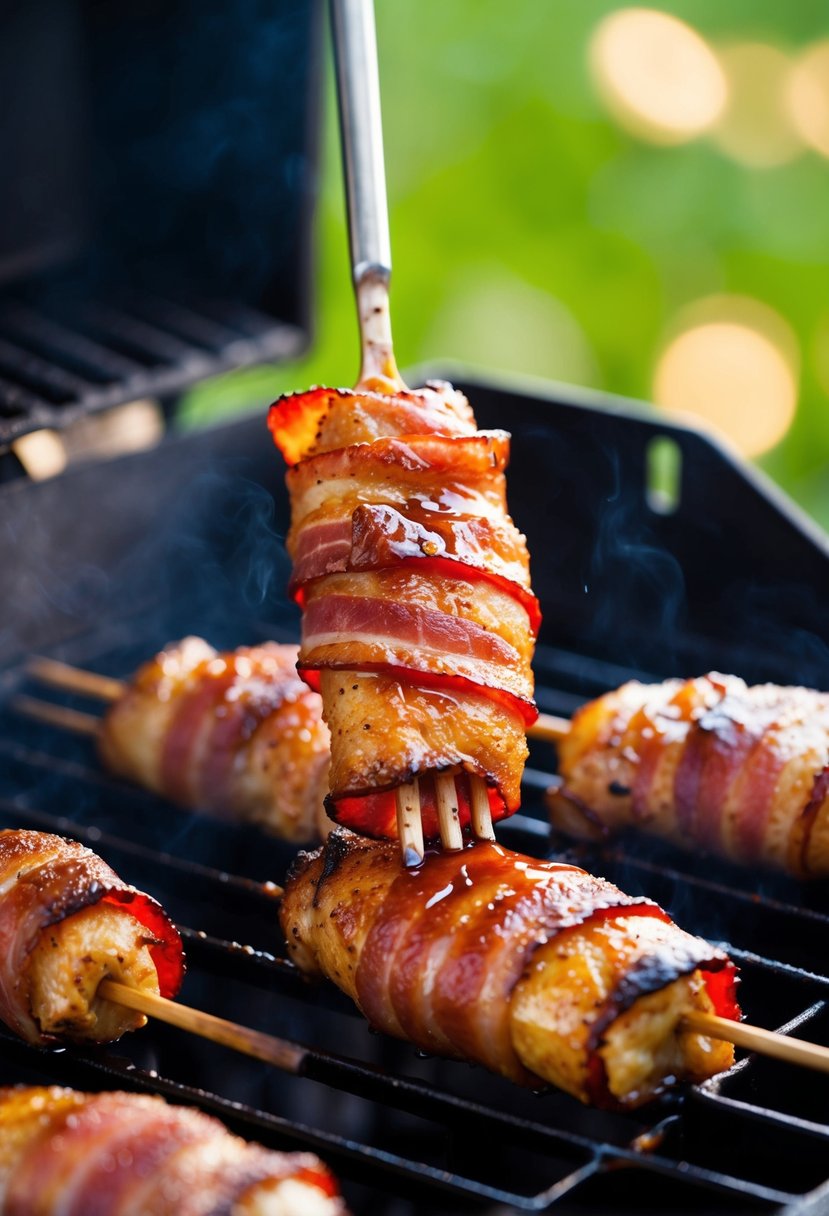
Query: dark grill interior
point(190, 543)
point(161, 156)
point(59, 364)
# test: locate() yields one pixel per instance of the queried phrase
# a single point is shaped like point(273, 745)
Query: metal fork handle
point(358, 87)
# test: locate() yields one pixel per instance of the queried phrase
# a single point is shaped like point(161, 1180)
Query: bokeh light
point(734, 364)
point(495, 320)
point(808, 97)
point(657, 76)
point(756, 126)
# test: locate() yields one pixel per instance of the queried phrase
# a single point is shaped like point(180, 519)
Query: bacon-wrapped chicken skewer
point(84, 957)
point(418, 618)
point(537, 970)
point(235, 733)
point(67, 923)
point(120, 1154)
point(710, 762)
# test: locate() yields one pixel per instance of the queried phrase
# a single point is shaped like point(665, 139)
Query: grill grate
point(58, 364)
point(384, 1117)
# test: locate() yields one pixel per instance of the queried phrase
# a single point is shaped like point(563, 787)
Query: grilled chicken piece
point(67, 921)
point(119, 1154)
point(414, 585)
point(237, 733)
point(711, 762)
point(537, 970)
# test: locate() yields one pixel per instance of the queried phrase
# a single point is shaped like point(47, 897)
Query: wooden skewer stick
point(284, 1055)
point(550, 728)
point(91, 683)
point(56, 715)
point(765, 1042)
point(75, 679)
point(290, 1056)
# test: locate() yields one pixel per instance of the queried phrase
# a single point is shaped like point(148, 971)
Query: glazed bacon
point(238, 734)
point(711, 762)
point(324, 419)
point(67, 921)
point(413, 580)
point(121, 1154)
point(537, 970)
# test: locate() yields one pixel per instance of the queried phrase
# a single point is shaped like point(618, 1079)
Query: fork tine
point(409, 825)
point(446, 796)
point(480, 809)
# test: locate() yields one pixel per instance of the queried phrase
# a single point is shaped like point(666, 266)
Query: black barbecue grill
point(639, 573)
point(175, 553)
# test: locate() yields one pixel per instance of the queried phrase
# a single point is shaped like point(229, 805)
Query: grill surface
point(60, 363)
point(405, 1133)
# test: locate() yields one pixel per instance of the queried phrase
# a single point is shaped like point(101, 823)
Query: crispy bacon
point(45, 881)
point(438, 626)
point(708, 763)
point(409, 571)
point(306, 422)
point(455, 955)
point(119, 1154)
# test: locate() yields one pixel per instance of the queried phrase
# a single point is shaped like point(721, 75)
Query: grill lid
point(162, 160)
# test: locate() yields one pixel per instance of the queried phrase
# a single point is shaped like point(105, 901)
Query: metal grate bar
point(16, 401)
point(147, 341)
point(41, 375)
point(97, 363)
point(178, 319)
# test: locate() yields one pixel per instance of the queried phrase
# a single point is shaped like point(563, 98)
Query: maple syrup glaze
point(434, 954)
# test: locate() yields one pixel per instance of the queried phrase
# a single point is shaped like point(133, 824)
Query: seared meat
point(537, 970)
point(709, 762)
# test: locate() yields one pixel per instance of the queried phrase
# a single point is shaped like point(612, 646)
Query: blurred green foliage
point(531, 234)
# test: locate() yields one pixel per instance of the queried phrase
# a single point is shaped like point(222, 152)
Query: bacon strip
point(374, 537)
point(74, 1154)
point(359, 632)
point(44, 880)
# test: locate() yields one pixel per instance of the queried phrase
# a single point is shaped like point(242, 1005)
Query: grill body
point(105, 564)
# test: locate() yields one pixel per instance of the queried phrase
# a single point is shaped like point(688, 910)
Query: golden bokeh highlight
point(808, 97)
point(734, 364)
point(756, 126)
point(656, 75)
